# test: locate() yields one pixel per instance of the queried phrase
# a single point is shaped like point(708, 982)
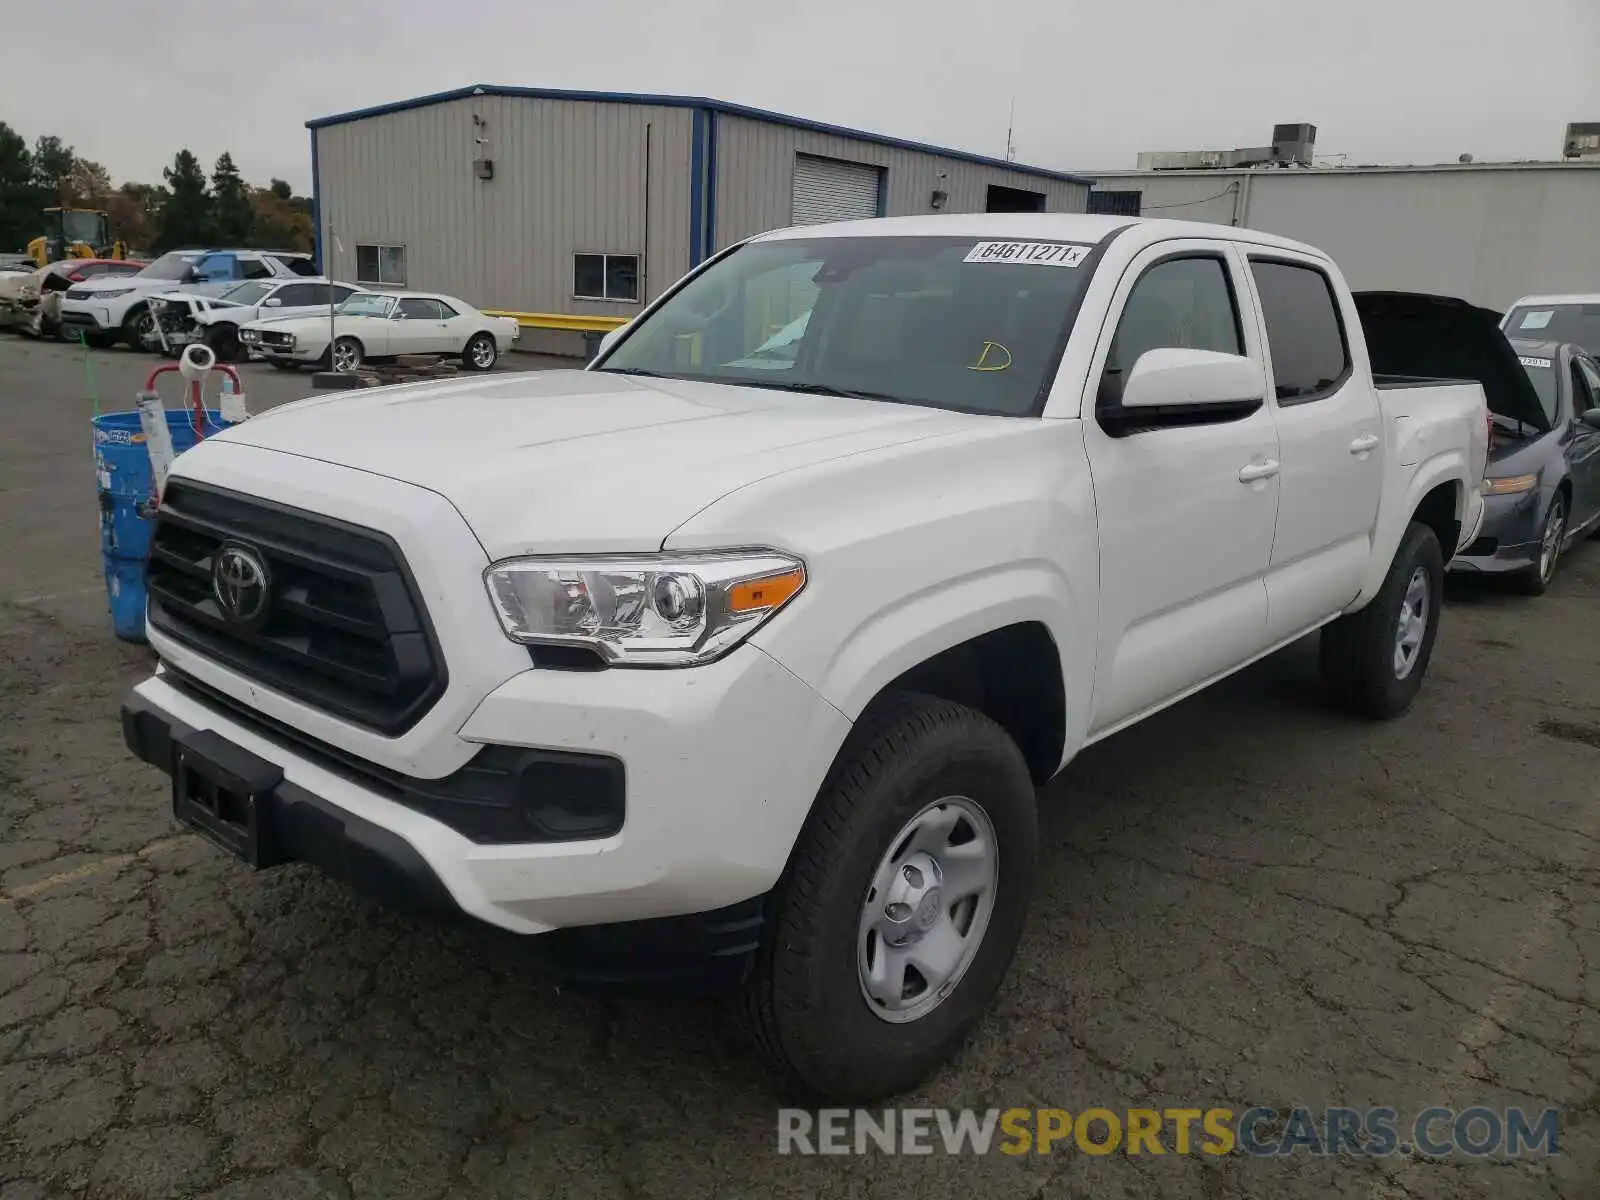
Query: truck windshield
point(83, 226)
point(945, 322)
point(1557, 323)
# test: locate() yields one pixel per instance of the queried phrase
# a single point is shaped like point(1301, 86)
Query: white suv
point(114, 310)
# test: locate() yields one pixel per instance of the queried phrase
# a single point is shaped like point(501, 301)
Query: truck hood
point(1411, 333)
point(584, 461)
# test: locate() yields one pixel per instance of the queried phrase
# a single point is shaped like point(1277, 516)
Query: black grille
point(344, 629)
point(274, 337)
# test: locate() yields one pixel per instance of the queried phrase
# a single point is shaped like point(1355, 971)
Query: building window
point(382, 265)
point(605, 277)
point(1116, 204)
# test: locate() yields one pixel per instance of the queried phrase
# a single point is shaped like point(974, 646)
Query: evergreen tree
point(19, 200)
point(52, 169)
point(233, 217)
point(185, 216)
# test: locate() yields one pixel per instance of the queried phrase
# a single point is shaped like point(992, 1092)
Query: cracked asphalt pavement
point(1245, 901)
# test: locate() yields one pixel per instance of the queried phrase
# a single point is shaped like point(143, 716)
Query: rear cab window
point(1307, 349)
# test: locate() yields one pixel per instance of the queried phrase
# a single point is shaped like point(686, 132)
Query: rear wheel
point(902, 903)
point(346, 355)
point(480, 353)
point(1373, 660)
point(1535, 580)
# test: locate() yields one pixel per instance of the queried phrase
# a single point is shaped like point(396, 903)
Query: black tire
point(480, 353)
point(1359, 669)
point(223, 340)
point(346, 345)
point(1535, 580)
point(804, 1000)
point(134, 325)
point(99, 341)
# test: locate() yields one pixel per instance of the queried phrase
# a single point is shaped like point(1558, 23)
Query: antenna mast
point(1011, 124)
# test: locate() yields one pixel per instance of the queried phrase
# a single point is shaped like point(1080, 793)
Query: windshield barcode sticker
point(1039, 254)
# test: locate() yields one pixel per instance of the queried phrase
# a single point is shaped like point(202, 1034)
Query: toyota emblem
point(240, 582)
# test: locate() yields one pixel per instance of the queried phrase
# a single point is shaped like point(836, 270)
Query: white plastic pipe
point(157, 435)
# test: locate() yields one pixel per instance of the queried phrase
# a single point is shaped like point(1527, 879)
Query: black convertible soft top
point(1441, 337)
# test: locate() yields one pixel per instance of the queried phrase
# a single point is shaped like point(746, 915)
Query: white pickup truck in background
point(756, 648)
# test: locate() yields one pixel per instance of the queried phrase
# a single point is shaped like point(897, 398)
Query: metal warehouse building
point(585, 205)
point(1486, 232)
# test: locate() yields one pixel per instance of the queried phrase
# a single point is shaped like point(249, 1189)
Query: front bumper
point(77, 314)
point(722, 762)
point(1507, 540)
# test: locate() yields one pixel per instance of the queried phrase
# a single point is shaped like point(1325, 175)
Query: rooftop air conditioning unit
point(1582, 140)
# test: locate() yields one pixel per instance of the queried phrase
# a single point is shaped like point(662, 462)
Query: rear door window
point(1305, 336)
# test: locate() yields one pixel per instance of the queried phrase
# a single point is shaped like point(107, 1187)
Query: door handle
point(1254, 472)
point(1364, 444)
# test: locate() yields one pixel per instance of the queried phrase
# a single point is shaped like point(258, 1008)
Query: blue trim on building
point(711, 183)
point(316, 208)
point(883, 191)
point(697, 187)
point(700, 104)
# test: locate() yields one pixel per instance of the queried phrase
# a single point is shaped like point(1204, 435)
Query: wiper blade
point(825, 389)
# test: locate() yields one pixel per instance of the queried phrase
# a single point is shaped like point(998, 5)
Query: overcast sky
point(129, 82)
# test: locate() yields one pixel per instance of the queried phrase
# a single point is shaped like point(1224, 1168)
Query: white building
point(1484, 232)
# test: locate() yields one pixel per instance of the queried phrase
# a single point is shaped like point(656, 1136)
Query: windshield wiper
point(826, 389)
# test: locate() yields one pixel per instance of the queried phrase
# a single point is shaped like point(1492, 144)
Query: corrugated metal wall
point(569, 177)
point(755, 177)
point(1485, 234)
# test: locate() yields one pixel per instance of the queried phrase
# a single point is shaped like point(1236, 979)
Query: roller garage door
point(829, 189)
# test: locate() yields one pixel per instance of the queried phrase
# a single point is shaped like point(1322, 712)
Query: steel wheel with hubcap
point(902, 903)
point(927, 909)
point(1412, 627)
point(1536, 579)
point(481, 352)
point(345, 356)
point(1374, 659)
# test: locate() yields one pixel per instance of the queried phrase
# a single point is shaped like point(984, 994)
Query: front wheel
point(902, 903)
point(139, 324)
point(1535, 579)
point(1373, 660)
point(346, 356)
point(223, 341)
point(480, 353)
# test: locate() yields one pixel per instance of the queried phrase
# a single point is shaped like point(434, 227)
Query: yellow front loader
point(75, 233)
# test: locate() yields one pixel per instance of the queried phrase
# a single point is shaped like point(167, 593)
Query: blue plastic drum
point(127, 503)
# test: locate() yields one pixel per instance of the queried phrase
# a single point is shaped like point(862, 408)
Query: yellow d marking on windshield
point(983, 363)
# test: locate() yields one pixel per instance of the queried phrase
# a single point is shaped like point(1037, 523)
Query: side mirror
point(1591, 418)
point(612, 338)
point(1174, 377)
point(273, 302)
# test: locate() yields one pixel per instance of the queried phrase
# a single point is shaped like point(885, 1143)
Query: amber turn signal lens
point(756, 594)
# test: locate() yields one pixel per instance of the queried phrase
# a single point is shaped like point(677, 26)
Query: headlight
point(112, 294)
point(249, 335)
point(1510, 485)
point(672, 610)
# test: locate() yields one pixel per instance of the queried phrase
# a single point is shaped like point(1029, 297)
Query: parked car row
point(30, 300)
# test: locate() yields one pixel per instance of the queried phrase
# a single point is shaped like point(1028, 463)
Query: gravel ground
point(1245, 901)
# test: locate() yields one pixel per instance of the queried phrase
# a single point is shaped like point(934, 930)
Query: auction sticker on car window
point(1537, 319)
point(1034, 254)
point(1536, 362)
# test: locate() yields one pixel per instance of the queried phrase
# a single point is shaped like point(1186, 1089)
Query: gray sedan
point(1543, 481)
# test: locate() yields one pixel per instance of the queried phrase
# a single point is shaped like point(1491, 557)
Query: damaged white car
point(187, 317)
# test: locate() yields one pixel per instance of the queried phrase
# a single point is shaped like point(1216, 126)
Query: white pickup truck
point(700, 655)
